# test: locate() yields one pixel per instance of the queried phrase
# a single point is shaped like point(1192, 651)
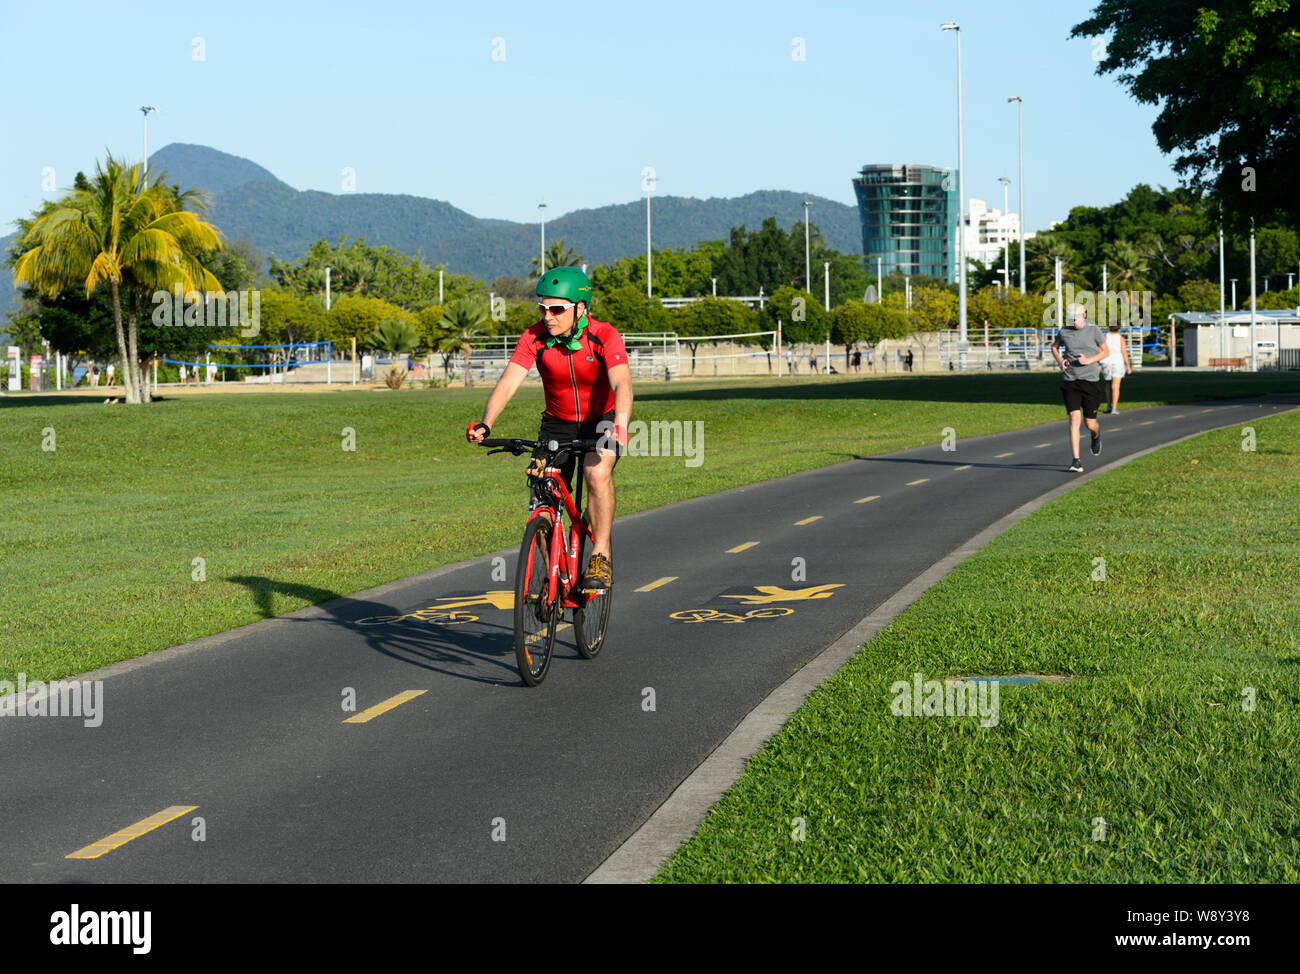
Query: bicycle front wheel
point(535, 617)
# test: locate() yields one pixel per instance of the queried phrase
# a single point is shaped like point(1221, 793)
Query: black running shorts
point(559, 429)
point(1081, 394)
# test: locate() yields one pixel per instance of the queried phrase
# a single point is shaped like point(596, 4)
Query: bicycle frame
point(561, 584)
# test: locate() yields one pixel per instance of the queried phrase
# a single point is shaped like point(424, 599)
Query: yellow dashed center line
point(1147, 423)
point(383, 708)
point(921, 481)
point(1207, 410)
point(741, 547)
point(863, 500)
point(1039, 446)
point(964, 467)
point(656, 584)
point(1001, 455)
point(122, 837)
point(808, 520)
point(1180, 416)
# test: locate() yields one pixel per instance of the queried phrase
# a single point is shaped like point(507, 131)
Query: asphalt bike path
point(236, 758)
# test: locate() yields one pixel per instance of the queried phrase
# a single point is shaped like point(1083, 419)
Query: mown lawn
point(100, 535)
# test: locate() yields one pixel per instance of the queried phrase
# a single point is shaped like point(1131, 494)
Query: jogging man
point(588, 387)
point(1078, 348)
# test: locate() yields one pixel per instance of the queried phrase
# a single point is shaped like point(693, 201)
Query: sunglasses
point(555, 309)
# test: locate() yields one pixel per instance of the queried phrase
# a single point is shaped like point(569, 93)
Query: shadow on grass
point(13, 401)
point(475, 649)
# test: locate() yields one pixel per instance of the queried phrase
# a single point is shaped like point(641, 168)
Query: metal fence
point(1013, 348)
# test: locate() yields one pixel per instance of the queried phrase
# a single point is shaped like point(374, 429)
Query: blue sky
point(578, 99)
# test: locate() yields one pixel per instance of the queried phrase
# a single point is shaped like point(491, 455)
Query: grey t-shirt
point(1076, 342)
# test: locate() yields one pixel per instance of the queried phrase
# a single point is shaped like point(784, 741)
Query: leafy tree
point(288, 318)
point(354, 315)
point(1227, 80)
point(933, 309)
point(710, 316)
point(135, 238)
point(855, 321)
point(630, 311)
point(1277, 250)
point(513, 288)
point(800, 316)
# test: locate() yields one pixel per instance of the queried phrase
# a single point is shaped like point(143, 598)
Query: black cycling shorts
point(1082, 394)
point(588, 429)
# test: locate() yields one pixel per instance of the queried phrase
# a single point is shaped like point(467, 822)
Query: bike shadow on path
point(480, 651)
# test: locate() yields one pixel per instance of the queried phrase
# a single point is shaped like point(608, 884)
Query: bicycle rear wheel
point(590, 621)
point(535, 618)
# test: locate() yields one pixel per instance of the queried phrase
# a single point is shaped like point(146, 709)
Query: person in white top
point(1114, 366)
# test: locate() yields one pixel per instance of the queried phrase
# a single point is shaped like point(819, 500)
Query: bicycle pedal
point(594, 591)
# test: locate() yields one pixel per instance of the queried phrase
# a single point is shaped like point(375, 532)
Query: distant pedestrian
point(1078, 349)
point(812, 360)
point(791, 363)
point(182, 373)
point(1114, 366)
point(110, 374)
point(871, 359)
point(909, 360)
point(94, 375)
point(857, 359)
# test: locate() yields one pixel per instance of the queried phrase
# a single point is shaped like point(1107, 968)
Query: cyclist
point(588, 386)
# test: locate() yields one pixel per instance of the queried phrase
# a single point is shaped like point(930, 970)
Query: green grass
point(1201, 601)
point(99, 536)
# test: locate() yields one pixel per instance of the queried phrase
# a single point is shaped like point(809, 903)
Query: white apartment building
point(988, 231)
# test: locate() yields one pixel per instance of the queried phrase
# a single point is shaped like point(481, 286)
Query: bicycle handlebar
point(519, 446)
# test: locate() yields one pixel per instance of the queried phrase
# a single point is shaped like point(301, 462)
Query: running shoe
point(1096, 445)
point(1076, 466)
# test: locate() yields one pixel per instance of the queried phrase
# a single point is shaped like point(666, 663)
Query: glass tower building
point(909, 218)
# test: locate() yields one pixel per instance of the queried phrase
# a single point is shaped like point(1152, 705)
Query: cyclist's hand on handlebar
point(537, 467)
point(476, 432)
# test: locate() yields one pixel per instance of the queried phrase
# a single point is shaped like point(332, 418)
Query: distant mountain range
point(248, 201)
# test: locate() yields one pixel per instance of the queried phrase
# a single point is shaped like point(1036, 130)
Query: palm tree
point(1125, 265)
point(398, 338)
point(556, 256)
point(138, 239)
point(1041, 252)
point(462, 322)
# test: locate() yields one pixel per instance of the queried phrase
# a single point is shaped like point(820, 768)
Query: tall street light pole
point(807, 261)
point(1020, 217)
point(961, 198)
point(648, 182)
point(1006, 244)
point(541, 268)
point(144, 167)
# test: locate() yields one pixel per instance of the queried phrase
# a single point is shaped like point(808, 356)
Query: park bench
point(1227, 363)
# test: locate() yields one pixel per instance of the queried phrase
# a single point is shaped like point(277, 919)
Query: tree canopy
point(1227, 80)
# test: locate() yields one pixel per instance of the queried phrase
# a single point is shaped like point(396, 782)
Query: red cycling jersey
point(576, 383)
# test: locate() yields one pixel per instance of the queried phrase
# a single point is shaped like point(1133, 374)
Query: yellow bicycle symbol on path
point(445, 612)
point(431, 614)
point(713, 615)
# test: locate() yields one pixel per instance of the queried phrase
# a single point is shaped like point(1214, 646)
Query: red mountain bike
point(549, 577)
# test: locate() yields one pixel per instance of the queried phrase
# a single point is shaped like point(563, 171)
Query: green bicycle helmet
point(565, 282)
point(571, 284)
